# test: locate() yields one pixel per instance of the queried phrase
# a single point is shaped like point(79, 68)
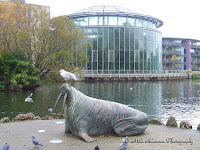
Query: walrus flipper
point(86, 137)
point(83, 133)
point(130, 126)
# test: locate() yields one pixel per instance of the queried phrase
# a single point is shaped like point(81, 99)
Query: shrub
point(16, 72)
point(195, 76)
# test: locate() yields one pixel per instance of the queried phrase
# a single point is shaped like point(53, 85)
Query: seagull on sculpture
point(29, 99)
point(67, 75)
point(35, 142)
point(6, 146)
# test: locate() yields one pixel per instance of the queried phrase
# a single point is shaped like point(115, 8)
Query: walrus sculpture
point(86, 116)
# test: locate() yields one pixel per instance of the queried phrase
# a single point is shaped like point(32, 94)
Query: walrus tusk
point(57, 102)
point(63, 106)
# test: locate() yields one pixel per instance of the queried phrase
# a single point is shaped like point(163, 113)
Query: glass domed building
point(121, 41)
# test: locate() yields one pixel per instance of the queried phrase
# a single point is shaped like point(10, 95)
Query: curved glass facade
point(114, 21)
point(121, 41)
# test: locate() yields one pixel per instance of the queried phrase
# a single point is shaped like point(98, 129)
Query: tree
point(13, 26)
point(175, 60)
point(64, 46)
point(48, 44)
point(194, 63)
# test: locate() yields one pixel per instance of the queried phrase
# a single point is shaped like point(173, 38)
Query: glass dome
point(121, 41)
point(105, 9)
point(108, 10)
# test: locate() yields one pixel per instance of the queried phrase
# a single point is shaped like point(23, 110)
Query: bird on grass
point(96, 147)
point(124, 143)
point(6, 146)
point(29, 99)
point(67, 75)
point(35, 142)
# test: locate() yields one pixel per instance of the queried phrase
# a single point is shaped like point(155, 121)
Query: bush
point(16, 72)
point(195, 76)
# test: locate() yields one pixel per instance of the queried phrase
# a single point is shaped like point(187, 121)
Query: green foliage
point(195, 76)
point(65, 47)
point(16, 72)
point(49, 44)
point(2, 85)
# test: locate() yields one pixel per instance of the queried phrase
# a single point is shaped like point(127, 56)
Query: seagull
point(67, 75)
point(28, 99)
point(96, 147)
point(6, 146)
point(35, 142)
point(50, 109)
point(124, 143)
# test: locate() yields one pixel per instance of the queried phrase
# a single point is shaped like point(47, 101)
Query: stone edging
point(171, 122)
point(28, 116)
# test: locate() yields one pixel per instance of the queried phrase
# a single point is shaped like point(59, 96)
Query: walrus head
point(64, 90)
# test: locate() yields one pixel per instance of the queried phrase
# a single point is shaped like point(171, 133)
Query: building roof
point(182, 39)
point(108, 10)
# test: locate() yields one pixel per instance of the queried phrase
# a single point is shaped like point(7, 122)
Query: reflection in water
point(179, 98)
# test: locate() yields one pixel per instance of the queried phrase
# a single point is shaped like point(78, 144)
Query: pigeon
point(28, 99)
point(6, 146)
point(36, 142)
point(124, 143)
point(96, 147)
point(67, 75)
point(50, 109)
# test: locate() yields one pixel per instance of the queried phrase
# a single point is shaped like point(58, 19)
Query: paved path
point(19, 136)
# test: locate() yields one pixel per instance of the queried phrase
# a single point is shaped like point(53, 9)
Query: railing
point(173, 53)
point(195, 54)
point(173, 61)
point(127, 73)
point(172, 44)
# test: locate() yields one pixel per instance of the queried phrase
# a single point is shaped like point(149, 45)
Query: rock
point(47, 118)
point(61, 116)
point(198, 127)
point(185, 125)
point(156, 121)
point(28, 116)
point(5, 119)
point(37, 118)
point(171, 122)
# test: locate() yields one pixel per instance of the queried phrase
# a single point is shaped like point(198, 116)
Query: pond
point(160, 99)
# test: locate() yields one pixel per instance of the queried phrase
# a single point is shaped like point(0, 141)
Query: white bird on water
point(67, 75)
point(50, 109)
point(29, 99)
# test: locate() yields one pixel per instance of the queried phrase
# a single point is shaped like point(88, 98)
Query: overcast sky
point(181, 18)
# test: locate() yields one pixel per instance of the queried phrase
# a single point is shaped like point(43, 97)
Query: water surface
point(161, 99)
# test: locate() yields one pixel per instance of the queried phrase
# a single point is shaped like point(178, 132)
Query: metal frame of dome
point(104, 8)
point(109, 10)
